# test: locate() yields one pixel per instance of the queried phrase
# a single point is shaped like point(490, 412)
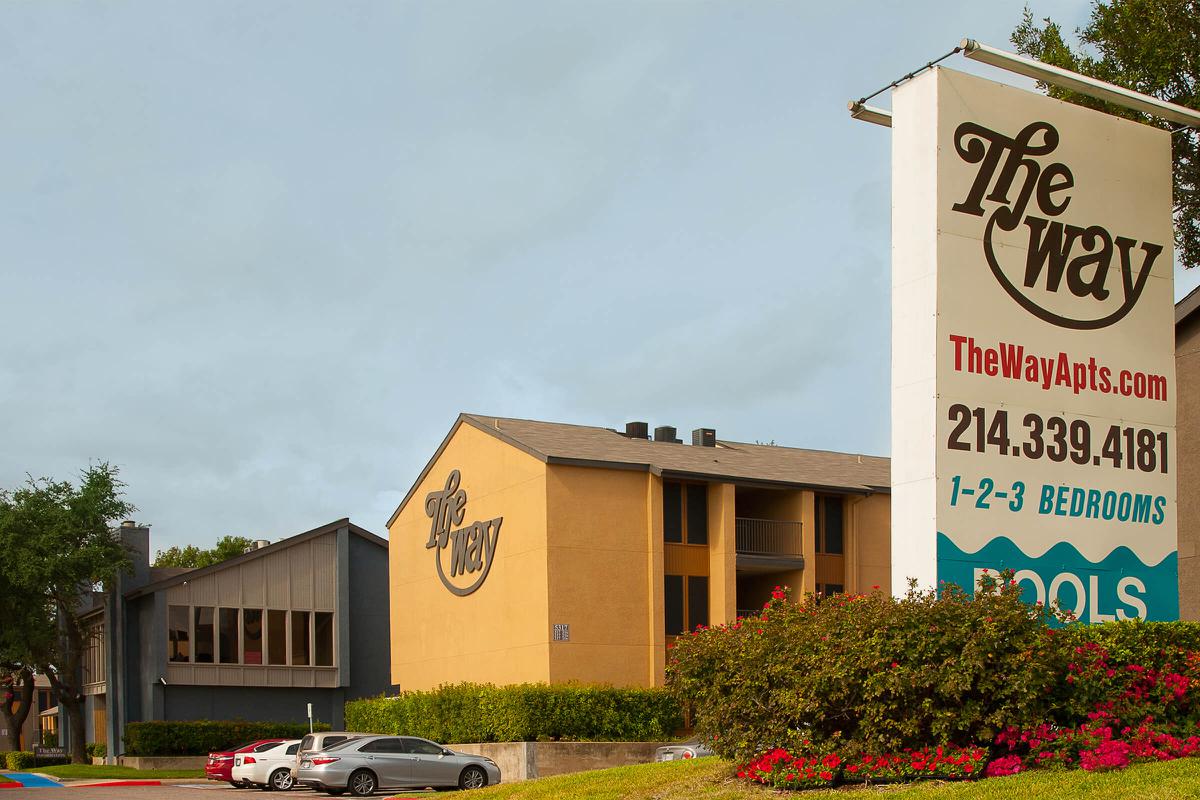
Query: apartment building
point(539, 551)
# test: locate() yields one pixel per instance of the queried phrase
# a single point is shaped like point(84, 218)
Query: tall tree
point(16, 701)
point(1150, 46)
point(194, 557)
point(60, 543)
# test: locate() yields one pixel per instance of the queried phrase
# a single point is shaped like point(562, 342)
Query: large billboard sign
point(1033, 378)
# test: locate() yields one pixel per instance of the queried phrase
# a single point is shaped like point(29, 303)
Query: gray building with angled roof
point(257, 637)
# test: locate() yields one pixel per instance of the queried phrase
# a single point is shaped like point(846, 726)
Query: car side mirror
point(447, 751)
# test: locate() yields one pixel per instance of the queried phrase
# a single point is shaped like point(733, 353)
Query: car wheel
point(472, 778)
point(281, 780)
point(362, 783)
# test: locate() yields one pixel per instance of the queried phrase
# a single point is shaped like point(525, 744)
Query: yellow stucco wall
point(872, 531)
point(500, 633)
point(600, 559)
point(722, 544)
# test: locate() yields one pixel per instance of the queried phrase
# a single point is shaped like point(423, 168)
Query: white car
point(267, 769)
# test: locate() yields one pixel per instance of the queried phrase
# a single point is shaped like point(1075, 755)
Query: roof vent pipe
point(128, 524)
point(704, 437)
point(259, 544)
point(637, 430)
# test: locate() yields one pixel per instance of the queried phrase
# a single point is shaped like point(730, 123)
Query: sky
point(260, 255)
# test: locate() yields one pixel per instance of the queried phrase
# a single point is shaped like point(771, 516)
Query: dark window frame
point(323, 635)
point(262, 637)
point(300, 622)
point(210, 640)
point(821, 518)
point(683, 501)
point(223, 642)
point(273, 615)
point(689, 610)
point(174, 656)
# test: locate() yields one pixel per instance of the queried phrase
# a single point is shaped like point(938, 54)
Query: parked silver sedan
point(366, 765)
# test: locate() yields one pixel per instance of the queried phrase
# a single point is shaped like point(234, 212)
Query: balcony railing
point(768, 537)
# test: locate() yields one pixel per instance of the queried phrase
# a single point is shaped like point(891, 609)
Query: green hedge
point(467, 712)
point(201, 737)
point(96, 750)
point(18, 760)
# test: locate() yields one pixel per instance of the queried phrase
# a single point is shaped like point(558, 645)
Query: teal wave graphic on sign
point(1120, 586)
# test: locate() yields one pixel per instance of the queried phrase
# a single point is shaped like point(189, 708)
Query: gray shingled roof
point(736, 462)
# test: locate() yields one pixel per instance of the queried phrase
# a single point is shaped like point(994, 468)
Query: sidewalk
point(36, 780)
point(28, 780)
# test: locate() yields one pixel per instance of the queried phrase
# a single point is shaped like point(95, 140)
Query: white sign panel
point(1033, 377)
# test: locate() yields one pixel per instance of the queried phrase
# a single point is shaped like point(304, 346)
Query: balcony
point(766, 545)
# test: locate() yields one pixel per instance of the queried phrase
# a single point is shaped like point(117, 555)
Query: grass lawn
point(712, 779)
point(81, 772)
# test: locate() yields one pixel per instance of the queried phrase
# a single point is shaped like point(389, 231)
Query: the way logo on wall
point(1083, 254)
point(470, 548)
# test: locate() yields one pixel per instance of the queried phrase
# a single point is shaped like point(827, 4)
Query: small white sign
point(562, 632)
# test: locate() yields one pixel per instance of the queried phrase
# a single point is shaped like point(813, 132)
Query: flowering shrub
point(869, 681)
point(783, 770)
point(881, 672)
point(809, 770)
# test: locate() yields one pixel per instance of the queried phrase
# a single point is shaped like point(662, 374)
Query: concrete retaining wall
point(518, 761)
point(521, 761)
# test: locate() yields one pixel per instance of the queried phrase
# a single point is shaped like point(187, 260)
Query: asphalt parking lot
point(198, 790)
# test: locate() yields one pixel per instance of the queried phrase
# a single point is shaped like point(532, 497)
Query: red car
point(219, 766)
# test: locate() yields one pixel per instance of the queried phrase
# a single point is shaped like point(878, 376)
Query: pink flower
point(1005, 765)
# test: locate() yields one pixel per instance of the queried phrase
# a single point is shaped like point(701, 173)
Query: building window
point(276, 637)
point(685, 513)
point(94, 652)
point(206, 646)
point(208, 635)
point(323, 639)
point(829, 590)
point(228, 636)
point(252, 634)
point(685, 603)
point(672, 513)
point(178, 640)
point(830, 536)
point(300, 638)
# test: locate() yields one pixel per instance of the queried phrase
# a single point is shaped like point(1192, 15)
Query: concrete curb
point(131, 782)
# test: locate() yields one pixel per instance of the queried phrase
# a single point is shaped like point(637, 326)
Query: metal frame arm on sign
point(1049, 74)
